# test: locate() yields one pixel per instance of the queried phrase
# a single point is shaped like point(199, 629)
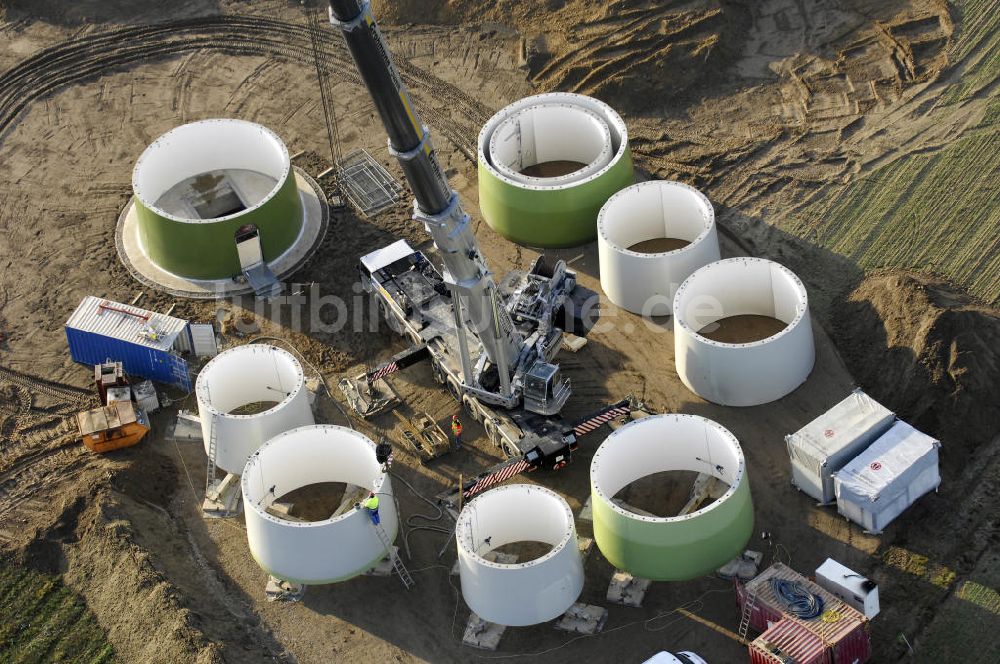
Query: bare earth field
point(855, 141)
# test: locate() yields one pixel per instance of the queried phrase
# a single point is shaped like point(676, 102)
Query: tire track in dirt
point(81, 58)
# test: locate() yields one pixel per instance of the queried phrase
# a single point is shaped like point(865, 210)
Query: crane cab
point(545, 390)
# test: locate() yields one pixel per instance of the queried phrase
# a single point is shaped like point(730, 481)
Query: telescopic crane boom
point(436, 204)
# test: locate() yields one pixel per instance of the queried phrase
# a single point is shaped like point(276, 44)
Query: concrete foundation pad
point(583, 619)
point(744, 567)
point(283, 591)
point(626, 589)
point(314, 385)
point(186, 426)
point(223, 498)
point(482, 634)
point(586, 512)
point(282, 511)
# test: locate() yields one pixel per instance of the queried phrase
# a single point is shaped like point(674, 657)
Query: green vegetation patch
point(41, 620)
point(976, 48)
point(960, 632)
point(936, 213)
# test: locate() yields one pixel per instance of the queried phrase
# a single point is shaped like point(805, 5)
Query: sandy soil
point(771, 107)
point(659, 245)
point(552, 169)
point(742, 329)
point(661, 494)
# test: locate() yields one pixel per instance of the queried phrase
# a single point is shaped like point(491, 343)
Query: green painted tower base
point(200, 183)
point(671, 548)
point(525, 200)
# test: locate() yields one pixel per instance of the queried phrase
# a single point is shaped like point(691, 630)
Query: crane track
point(81, 58)
point(35, 472)
point(44, 386)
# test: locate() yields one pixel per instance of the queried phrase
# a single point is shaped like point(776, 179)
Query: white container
point(881, 482)
point(855, 590)
point(826, 444)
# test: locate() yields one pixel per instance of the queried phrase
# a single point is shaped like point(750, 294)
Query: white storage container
point(826, 444)
point(888, 477)
point(854, 589)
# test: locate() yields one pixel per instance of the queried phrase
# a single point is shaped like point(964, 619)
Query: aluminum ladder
point(748, 608)
point(397, 564)
point(210, 468)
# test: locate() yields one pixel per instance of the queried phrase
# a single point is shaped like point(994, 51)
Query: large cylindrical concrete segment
point(743, 374)
point(558, 211)
point(642, 282)
point(197, 184)
point(680, 547)
point(324, 551)
point(242, 376)
point(525, 593)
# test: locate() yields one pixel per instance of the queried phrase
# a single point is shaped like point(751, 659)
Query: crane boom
point(436, 204)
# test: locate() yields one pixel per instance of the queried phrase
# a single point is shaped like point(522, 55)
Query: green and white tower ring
point(672, 548)
point(195, 186)
point(547, 163)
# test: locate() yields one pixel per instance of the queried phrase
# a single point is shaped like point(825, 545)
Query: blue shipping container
point(143, 341)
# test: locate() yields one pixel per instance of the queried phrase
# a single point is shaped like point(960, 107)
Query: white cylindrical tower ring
point(195, 148)
point(743, 374)
point(245, 375)
point(325, 551)
point(525, 593)
point(645, 283)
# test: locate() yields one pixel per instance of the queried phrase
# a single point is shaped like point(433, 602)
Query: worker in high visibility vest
point(371, 504)
point(456, 431)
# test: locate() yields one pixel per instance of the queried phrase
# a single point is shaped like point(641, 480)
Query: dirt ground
point(852, 140)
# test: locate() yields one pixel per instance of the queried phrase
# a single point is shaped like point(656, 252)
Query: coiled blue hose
point(797, 600)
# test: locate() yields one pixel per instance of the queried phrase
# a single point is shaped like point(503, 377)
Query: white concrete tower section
point(316, 552)
point(525, 593)
point(743, 374)
point(253, 155)
point(645, 283)
point(239, 377)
